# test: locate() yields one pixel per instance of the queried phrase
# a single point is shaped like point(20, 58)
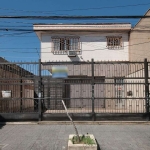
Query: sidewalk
point(55, 137)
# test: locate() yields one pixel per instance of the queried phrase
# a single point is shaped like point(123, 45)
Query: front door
point(80, 93)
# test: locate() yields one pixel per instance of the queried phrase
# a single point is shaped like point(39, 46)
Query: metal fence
point(92, 88)
point(18, 87)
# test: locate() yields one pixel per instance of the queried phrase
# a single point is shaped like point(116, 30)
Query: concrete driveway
point(55, 137)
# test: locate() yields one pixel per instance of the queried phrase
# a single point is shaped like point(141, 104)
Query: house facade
point(102, 42)
point(82, 42)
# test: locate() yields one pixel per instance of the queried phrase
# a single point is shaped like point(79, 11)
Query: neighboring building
point(140, 40)
point(17, 81)
point(82, 42)
point(139, 49)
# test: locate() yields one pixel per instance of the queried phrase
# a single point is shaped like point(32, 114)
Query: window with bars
point(61, 45)
point(114, 42)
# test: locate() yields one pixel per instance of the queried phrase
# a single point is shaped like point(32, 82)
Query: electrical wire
point(77, 9)
point(73, 17)
point(84, 50)
point(86, 35)
point(33, 31)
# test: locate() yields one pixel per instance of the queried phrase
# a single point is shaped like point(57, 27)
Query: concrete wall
point(93, 45)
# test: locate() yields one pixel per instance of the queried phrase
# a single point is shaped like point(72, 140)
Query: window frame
point(68, 43)
point(116, 42)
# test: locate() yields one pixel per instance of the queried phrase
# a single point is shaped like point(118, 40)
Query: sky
point(25, 46)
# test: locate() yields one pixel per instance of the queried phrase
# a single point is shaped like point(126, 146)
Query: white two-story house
point(83, 42)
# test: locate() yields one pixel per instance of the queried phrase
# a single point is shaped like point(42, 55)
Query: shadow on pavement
point(98, 146)
point(2, 124)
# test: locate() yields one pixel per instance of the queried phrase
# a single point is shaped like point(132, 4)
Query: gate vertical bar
point(146, 85)
point(21, 94)
point(93, 111)
point(39, 92)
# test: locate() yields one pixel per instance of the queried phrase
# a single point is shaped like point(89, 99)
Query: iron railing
point(91, 88)
point(18, 87)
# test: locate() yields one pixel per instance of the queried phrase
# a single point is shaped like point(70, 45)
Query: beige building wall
point(139, 40)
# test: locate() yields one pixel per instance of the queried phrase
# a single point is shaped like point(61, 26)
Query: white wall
point(93, 45)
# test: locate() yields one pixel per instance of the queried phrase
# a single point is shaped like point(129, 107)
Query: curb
point(78, 123)
point(18, 123)
point(94, 122)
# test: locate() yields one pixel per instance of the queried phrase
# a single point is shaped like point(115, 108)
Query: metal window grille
point(61, 45)
point(114, 42)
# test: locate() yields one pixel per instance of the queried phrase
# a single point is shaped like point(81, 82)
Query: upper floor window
point(62, 44)
point(114, 42)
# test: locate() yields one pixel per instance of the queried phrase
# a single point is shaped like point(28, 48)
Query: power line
point(2, 35)
point(68, 34)
point(62, 10)
point(72, 17)
point(83, 50)
point(31, 23)
point(134, 5)
point(86, 50)
point(27, 11)
point(86, 35)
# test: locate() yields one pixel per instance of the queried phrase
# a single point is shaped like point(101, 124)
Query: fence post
point(39, 92)
point(92, 69)
point(146, 85)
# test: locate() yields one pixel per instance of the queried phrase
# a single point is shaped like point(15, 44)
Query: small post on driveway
point(92, 83)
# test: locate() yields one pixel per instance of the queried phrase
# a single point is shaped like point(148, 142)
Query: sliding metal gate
point(98, 90)
point(92, 91)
